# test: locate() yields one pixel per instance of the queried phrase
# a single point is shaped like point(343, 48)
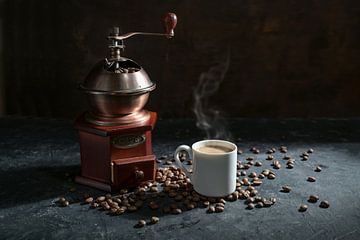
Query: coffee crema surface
point(214, 149)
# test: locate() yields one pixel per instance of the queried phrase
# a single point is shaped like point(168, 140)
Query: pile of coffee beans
point(173, 193)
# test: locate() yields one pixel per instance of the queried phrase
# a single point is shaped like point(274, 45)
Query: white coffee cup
point(212, 174)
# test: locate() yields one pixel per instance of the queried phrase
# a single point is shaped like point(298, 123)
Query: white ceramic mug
point(213, 174)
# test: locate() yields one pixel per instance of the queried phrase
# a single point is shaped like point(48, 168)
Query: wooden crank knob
point(170, 21)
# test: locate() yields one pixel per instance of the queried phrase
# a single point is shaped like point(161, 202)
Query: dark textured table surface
point(37, 155)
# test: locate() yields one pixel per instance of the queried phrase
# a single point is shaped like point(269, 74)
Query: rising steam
point(209, 119)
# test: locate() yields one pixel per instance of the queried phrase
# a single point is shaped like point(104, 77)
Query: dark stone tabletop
point(39, 158)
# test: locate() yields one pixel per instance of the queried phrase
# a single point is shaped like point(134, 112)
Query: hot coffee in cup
point(214, 166)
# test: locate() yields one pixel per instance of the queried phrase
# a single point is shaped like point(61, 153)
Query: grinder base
point(114, 157)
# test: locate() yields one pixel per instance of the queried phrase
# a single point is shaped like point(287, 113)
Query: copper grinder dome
point(117, 88)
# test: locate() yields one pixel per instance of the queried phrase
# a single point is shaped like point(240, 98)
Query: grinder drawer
point(130, 172)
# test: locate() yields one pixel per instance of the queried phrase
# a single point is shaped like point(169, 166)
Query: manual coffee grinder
point(115, 134)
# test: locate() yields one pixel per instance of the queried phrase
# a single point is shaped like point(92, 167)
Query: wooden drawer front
point(132, 171)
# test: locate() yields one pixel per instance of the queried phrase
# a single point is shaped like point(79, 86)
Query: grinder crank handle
point(187, 149)
point(169, 22)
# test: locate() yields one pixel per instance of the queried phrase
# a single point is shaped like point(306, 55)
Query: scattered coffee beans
point(154, 220)
point(141, 223)
point(313, 198)
point(250, 206)
point(311, 179)
point(211, 209)
point(324, 204)
point(286, 189)
point(252, 174)
point(318, 169)
point(310, 150)
point(303, 208)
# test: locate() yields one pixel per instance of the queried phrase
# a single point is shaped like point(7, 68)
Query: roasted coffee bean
point(240, 152)
point(318, 169)
point(105, 205)
point(311, 179)
point(219, 209)
point(253, 193)
point(286, 189)
point(211, 209)
point(113, 211)
point(94, 205)
point(242, 173)
point(252, 149)
point(261, 176)
point(259, 205)
point(290, 161)
point(290, 166)
point(305, 158)
point(245, 181)
point(252, 174)
point(283, 150)
point(206, 203)
point(324, 204)
point(304, 154)
point(65, 203)
point(108, 196)
point(313, 198)
point(163, 157)
point(250, 159)
point(189, 162)
point(249, 200)
point(250, 188)
point(141, 223)
point(269, 151)
point(258, 164)
point(250, 206)
point(154, 189)
point(267, 203)
point(221, 200)
point(273, 200)
point(286, 157)
point(61, 200)
point(303, 208)
point(100, 199)
point(310, 150)
point(277, 166)
point(270, 157)
point(246, 166)
point(271, 176)
point(257, 183)
point(250, 163)
point(234, 196)
point(265, 172)
point(256, 151)
point(176, 211)
point(154, 220)
point(168, 162)
point(158, 160)
point(120, 211)
point(257, 199)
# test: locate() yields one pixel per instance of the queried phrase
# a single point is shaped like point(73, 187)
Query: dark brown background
point(287, 58)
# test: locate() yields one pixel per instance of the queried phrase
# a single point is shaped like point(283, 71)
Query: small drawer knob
point(139, 175)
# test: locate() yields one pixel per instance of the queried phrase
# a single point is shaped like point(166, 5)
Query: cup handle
point(177, 160)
